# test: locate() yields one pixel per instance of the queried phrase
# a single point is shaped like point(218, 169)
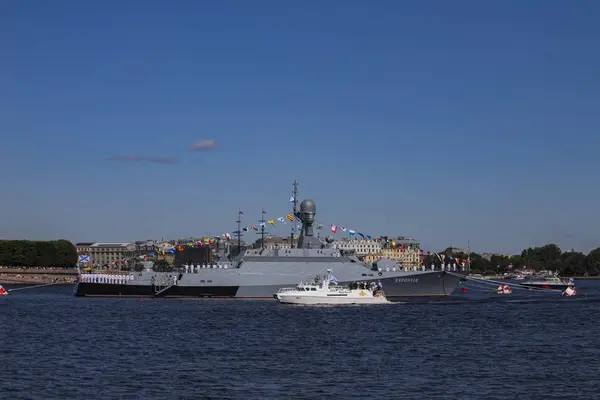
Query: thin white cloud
point(203, 145)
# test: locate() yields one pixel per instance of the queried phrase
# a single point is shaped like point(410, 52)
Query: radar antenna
point(294, 211)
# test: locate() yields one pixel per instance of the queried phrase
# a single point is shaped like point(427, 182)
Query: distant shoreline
point(500, 278)
point(18, 279)
point(37, 276)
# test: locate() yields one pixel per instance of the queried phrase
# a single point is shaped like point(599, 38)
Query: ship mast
point(294, 211)
point(262, 229)
point(468, 255)
point(239, 231)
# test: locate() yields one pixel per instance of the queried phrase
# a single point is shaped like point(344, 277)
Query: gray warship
point(259, 273)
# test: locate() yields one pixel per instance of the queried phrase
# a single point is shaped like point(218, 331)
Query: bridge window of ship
point(313, 289)
point(209, 281)
point(202, 281)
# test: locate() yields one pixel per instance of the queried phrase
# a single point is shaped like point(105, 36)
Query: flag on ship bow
point(332, 279)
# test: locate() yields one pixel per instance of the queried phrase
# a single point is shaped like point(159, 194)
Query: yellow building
point(405, 252)
point(410, 257)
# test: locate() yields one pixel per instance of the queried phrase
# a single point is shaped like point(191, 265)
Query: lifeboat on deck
point(503, 289)
point(569, 291)
point(3, 292)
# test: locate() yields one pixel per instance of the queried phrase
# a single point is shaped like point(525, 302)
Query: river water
point(474, 345)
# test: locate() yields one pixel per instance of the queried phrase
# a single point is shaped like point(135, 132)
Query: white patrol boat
point(548, 282)
point(325, 291)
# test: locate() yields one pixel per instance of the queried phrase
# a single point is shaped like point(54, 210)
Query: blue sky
point(449, 122)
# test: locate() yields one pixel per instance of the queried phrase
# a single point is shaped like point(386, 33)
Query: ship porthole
point(380, 274)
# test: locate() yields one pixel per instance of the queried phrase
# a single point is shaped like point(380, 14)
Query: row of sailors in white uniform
point(106, 278)
point(190, 269)
point(447, 267)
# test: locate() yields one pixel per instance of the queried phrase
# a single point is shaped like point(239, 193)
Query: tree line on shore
point(62, 253)
point(548, 257)
point(27, 253)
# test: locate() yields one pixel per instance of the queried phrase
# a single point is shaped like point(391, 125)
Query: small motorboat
point(548, 282)
point(326, 291)
point(504, 289)
point(570, 291)
point(3, 292)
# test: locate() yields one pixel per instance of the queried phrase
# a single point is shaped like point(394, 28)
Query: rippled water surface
point(473, 346)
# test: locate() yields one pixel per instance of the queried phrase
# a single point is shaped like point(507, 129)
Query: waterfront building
point(111, 255)
point(406, 252)
point(361, 247)
point(488, 256)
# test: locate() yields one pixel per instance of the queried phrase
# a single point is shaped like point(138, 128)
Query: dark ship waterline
point(258, 273)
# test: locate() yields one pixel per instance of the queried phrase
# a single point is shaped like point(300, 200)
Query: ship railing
point(287, 289)
point(114, 279)
point(415, 268)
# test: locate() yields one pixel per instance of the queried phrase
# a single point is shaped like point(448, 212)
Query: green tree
point(481, 265)
point(573, 263)
point(66, 253)
point(25, 253)
point(500, 262)
point(549, 256)
point(515, 261)
point(592, 262)
point(545, 257)
point(46, 254)
point(162, 266)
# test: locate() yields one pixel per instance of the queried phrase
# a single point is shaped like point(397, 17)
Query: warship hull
point(127, 290)
point(417, 284)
